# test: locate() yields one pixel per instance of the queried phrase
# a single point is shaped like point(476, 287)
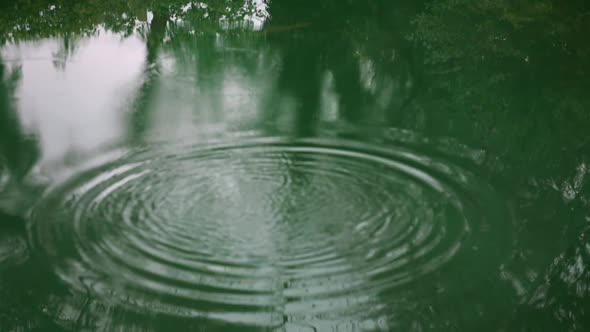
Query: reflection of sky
point(81, 101)
point(77, 107)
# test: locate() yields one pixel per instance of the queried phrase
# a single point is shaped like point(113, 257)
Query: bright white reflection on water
point(78, 106)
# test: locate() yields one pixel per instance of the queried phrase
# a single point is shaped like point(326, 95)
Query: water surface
point(294, 166)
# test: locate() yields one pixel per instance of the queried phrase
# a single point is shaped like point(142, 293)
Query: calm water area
point(294, 165)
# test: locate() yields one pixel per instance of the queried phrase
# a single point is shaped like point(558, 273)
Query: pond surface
point(294, 166)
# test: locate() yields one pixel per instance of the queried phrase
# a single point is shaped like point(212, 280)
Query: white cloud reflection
point(76, 107)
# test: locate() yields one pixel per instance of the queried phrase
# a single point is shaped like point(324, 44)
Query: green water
point(289, 165)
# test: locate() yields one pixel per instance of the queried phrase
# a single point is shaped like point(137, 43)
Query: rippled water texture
point(268, 232)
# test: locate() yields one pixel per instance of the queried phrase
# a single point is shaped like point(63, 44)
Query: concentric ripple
point(265, 232)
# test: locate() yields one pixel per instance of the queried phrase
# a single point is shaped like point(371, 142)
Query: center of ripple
point(257, 232)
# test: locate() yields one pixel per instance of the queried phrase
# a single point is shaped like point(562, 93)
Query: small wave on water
point(269, 232)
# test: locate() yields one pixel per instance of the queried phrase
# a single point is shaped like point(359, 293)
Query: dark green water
point(304, 165)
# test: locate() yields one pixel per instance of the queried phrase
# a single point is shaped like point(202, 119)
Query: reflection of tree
point(16, 157)
point(65, 52)
point(21, 282)
point(503, 60)
point(521, 67)
point(336, 38)
point(511, 77)
point(27, 20)
point(562, 297)
point(140, 107)
point(17, 152)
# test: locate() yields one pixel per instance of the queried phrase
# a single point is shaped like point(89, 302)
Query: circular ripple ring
point(251, 232)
